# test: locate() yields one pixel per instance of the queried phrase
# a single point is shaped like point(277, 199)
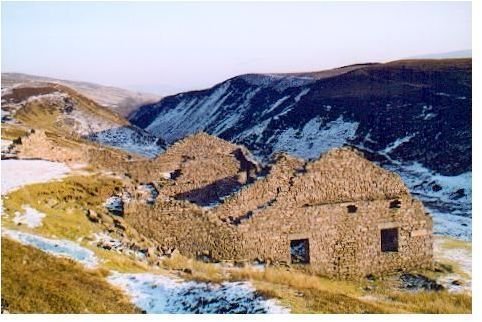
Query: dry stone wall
point(263, 191)
point(344, 175)
point(206, 168)
point(342, 243)
point(183, 226)
point(340, 203)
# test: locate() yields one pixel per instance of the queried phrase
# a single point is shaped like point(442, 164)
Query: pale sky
point(172, 47)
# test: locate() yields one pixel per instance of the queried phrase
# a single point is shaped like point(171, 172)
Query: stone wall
point(183, 226)
point(342, 243)
point(340, 203)
point(40, 144)
point(343, 175)
point(206, 168)
point(263, 191)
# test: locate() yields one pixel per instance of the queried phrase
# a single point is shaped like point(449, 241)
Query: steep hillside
point(59, 109)
point(411, 116)
point(118, 100)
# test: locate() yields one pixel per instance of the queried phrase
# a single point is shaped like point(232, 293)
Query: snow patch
point(160, 294)
point(448, 198)
point(308, 143)
point(277, 82)
point(232, 119)
point(57, 247)
point(256, 130)
point(115, 205)
point(301, 94)
point(463, 258)
point(429, 116)
point(276, 104)
point(394, 145)
point(17, 173)
point(32, 218)
point(129, 139)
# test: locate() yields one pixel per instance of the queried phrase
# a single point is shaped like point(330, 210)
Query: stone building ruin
point(342, 215)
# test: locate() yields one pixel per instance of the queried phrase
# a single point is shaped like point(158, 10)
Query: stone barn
point(342, 215)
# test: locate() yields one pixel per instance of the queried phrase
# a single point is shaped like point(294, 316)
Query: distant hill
point(59, 109)
point(451, 54)
point(118, 100)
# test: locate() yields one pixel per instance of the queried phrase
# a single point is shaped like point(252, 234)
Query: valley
point(123, 202)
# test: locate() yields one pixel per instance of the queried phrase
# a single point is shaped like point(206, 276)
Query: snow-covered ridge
point(176, 123)
point(278, 82)
point(308, 143)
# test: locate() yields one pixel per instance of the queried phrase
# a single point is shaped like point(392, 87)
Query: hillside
point(61, 110)
point(119, 100)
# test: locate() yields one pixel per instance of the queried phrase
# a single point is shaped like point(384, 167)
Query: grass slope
point(35, 282)
point(64, 202)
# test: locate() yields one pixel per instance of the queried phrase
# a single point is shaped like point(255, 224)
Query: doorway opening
point(300, 251)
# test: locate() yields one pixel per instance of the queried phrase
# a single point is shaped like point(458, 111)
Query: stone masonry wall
point(343, 244)
point(183, 226)
point(206, 168)
point(262, 191)
point(343, 175)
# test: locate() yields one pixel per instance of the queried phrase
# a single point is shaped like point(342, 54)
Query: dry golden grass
point(38, 116)
point(308, 293)
point(451, 243)
point(119, 262)
point(64, 203)
point(35, 282)
point(442, 302)
point(199, 271)
point(12, 131)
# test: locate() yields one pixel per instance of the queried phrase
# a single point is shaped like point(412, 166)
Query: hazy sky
point(171, 47)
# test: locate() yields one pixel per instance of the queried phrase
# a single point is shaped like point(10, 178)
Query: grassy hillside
point(119, 100)
point(50, 115)
point(34, 282)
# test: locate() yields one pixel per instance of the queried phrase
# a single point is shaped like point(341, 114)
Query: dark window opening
point(300, 251)
point(395, 204)
point(389, 240)
point(352, 209)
